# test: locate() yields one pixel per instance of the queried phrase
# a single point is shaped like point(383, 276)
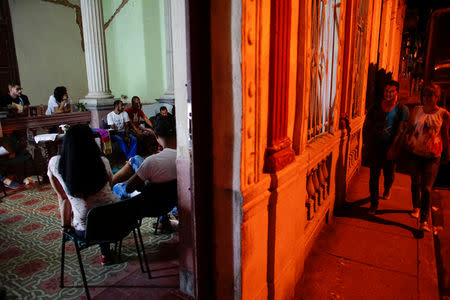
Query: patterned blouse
point(425, 135)
point(80, 206)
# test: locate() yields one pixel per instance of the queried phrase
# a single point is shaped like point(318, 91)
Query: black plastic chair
point(107, 224)
point(157, 200)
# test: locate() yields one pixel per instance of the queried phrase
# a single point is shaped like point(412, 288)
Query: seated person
point(158, 168)
point(164, 114)
point(6, 152)
point(81, 178)
point(59, 102)
point(135, 114)
point(146, 146)
point(18, 102)
point(119, 121)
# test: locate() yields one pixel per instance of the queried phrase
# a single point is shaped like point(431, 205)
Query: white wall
point(48, 49)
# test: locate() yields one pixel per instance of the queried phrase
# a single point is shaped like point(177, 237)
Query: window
point(324, 56)
point(361, 31)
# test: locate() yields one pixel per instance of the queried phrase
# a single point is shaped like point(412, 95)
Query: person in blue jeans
point(428, 145)
point(119, 121)
point(384, 121)
point(147, 146)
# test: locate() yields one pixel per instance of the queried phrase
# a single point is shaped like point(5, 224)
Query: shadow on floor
point(356, 211)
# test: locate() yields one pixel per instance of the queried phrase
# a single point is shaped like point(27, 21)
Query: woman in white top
point(59, 102)
point(428, 145)
point(81, 177)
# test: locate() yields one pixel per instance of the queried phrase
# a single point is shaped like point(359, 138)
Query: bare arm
point(147, 120)
point(123, 175)
point(136, 129)
point(135, 184)
point(61, 108)
point(65, 208)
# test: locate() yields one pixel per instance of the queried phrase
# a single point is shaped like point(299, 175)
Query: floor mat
point(30, 249)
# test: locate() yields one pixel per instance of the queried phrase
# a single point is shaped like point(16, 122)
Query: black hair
point(134, 97)
point(164, 127)
point(117, 102)
point(147, 145)
point(393, 83)
point(59, 92)
point(81, 166)
point(162, 108)
point(13, 84)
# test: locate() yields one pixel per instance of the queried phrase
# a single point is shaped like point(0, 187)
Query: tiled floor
point(362, 256)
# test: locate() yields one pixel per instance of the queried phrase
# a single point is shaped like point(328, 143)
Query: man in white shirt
point(158, 169)
point(59, 102)
point(119, 121)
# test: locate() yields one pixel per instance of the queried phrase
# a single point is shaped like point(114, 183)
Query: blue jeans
point(129, 152)
point(120, 188)
point(375, 171)
point(423, 174)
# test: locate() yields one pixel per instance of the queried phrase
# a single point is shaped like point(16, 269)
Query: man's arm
point(149, 123)
point(26, 102)
point(110, 122)
point(61, 108)
point(135, 184)
point(136, 129)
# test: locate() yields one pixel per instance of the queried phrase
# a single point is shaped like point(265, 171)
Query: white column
point(169, 93)
point(95, 50)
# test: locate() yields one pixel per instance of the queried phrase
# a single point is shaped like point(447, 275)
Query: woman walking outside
point(428, 145)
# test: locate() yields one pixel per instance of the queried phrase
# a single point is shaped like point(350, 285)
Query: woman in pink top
point(81, 177)
point(428, 145)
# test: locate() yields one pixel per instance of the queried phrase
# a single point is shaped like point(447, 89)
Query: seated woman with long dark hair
point(81, 177)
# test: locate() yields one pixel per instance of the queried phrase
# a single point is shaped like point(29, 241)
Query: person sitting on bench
point(119, 121)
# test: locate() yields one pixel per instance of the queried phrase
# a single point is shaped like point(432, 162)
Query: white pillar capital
point(95, 49)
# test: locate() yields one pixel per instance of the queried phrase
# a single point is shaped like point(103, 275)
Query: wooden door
point(9, 70)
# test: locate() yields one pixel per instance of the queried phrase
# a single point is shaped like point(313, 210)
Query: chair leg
point(83, 275)
point(120, 250)
point(36, 172)
point(143, 253)
point(138, 251)
point(3, 188)
point(63, 248)
point(157, 224)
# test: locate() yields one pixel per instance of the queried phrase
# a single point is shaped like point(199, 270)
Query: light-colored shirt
point(426, 139)
point(118, 120)
point(80, 206)
point(52, 105)
point(160, 167)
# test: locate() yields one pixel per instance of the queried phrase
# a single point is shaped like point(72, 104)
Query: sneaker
point(10, 184)
point(387, 195)
point(415, 213)
point(105, 260)
point(424, 227)
point(108, 259)
point(373, 210)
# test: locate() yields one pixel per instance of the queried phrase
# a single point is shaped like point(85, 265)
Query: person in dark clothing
point(15, 98)
point(164, 114)
point(384, 121)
